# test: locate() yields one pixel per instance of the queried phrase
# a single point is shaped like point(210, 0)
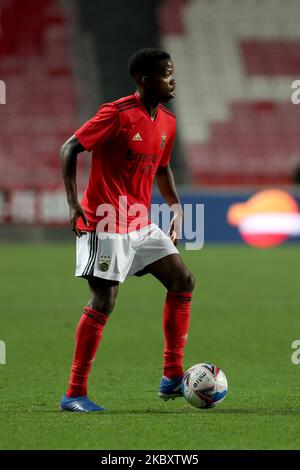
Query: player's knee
point(108, 306)
point(103, 304)
point(188, 282)
point(184, 282)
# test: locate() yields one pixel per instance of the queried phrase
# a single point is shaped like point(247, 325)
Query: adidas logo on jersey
point(137, 138)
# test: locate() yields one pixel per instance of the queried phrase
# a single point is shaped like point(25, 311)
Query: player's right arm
point(100, 128)
point(68, 157)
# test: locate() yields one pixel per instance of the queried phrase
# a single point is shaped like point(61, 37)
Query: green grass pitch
point(245, 316)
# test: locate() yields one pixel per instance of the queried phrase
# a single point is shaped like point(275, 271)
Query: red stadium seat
point(235, 66)
point(40, 112)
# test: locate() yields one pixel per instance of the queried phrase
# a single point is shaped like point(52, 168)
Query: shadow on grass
point(258, 411)
point(224, 411)
point(43, 408)
point(182, 411)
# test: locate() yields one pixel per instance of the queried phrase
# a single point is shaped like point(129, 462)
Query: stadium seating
point(235, 63)
point(40, 109)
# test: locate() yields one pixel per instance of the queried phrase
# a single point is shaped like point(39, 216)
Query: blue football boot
point(79, 404)
point(170, 388)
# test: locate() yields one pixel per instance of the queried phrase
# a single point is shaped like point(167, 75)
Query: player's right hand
point(76, 211)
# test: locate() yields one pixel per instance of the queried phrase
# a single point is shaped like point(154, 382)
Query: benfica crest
point(163, 141)
point(104, 263)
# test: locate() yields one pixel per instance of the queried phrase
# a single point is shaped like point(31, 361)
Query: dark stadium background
point(237, 128)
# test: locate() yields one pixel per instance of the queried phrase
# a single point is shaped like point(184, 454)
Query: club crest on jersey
point(163, 141)
point(104, 263)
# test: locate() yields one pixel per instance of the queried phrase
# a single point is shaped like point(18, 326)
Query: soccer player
point(131, 140)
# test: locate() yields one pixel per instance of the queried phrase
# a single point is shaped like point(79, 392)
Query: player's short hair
point(143, 61)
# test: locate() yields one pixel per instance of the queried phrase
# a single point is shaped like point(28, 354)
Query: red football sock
point(87, 338)
point(176, 321)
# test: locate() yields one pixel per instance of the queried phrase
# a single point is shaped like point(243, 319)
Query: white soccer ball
point(204, 385)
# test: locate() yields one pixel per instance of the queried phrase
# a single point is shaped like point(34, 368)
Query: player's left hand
point(175, 229)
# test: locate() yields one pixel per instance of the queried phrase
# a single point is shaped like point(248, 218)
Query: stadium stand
point(235, 63)
point(40, 109)
point(57, 73)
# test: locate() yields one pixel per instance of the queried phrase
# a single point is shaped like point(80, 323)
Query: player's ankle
point(74, 393)
point(172, 376)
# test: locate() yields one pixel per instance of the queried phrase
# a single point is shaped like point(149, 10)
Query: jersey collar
point(137, 96)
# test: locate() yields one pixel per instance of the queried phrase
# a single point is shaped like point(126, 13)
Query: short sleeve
point(167, 150)
point(101, 128)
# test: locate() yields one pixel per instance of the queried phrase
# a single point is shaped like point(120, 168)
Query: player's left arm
point(166, 185)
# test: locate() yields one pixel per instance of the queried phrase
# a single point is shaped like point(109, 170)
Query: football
point(204, 385)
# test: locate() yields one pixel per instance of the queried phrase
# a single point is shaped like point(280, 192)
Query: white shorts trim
point(117, 256)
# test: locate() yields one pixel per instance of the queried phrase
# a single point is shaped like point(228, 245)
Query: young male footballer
point(131, 140)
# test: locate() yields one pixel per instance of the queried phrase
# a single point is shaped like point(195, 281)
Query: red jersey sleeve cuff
point(82, 140)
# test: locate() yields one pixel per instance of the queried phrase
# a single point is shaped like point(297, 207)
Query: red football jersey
point(128, 147)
